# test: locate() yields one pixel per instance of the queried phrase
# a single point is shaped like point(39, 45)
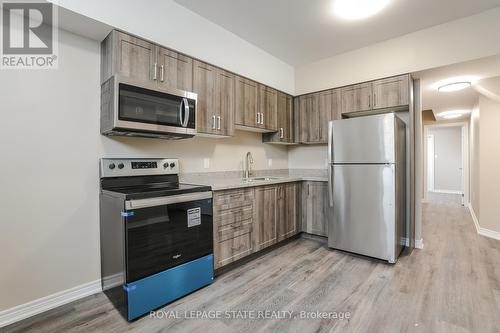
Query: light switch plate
point(206, 163)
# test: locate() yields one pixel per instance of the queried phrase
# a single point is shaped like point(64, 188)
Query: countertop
point(234, 179)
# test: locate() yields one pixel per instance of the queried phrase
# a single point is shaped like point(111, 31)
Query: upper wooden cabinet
point(381, 94)
point(356, 98)
point(268, 107)
point(391, 92)
point(247, 102)
point(285, 123)
point(215, 104)
point(135, 58)
point(313, 114)
point(256, 106)
point(175, 70)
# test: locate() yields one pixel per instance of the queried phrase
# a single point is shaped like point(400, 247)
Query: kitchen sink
point(260, 179)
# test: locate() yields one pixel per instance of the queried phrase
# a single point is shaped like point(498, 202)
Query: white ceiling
point(303, 31)
point(484, 72)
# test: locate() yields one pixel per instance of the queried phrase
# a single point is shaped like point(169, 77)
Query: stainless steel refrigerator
point(367, 185)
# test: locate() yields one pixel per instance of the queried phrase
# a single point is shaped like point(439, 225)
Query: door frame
point(464, 125)
point(430, 162)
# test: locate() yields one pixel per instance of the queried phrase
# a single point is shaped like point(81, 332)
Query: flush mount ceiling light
point(453, 114)
point(358, 9)
point(454, 86)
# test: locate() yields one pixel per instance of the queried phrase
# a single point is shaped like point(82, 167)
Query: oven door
point(165, 232)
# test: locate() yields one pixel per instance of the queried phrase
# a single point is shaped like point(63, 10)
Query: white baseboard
point(446, 191)
point(480, 230)
point(46, 303)
point(419, 243)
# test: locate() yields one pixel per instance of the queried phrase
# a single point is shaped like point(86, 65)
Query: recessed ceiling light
point(454, 86)
point(453, 114)
point(358, 9)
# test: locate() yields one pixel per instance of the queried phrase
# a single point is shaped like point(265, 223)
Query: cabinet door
point(329, 109)
point(309, 118)
point(204, 84)
point(285, 125)
point(174, 70)
point(225, 103)
point(357, 98)
point(391, 92)
point(265, 219)
point(247, 95)
point(135, 58)
point(287, 210)
point(268, 106)
point(316, 208)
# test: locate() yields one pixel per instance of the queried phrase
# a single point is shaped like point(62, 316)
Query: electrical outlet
point(269, 162)
point(206, 163)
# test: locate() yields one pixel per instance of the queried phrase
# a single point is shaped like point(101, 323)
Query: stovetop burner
point(155, 178)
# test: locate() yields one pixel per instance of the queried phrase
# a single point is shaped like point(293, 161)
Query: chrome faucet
point(248, 162)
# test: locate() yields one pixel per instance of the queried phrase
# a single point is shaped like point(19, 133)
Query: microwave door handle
point(186, 112)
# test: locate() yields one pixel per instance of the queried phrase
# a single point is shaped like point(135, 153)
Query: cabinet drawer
point(234, 215)
point(232, 199)
point(234, 230)
point(232, 249)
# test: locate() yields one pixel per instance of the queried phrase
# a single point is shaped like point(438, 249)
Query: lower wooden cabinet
point(288, 210)
point(316, 210)
point(251, 219)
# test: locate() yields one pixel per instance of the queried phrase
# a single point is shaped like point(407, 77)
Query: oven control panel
point(126, 167)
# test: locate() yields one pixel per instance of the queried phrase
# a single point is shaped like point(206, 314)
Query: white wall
point(447, 158)
point(308, 157)
point(469, 38)
point(489, 165)
point(50, 143)
point(174, 26)
point(474, 147)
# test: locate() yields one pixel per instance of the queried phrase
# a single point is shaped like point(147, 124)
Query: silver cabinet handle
point(213, 122)
point(369, 101)
point(262, 118)
point(258, 117)
point(282, 134)
point(218, 122)
point(155, 70)
point(374, 100)
point(162, 73)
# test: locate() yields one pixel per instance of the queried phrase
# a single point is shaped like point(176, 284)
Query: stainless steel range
point(156, 234)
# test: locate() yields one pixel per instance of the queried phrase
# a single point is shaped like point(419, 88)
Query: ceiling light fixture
point(453, 114)
point(358, 9)
point(454, 86)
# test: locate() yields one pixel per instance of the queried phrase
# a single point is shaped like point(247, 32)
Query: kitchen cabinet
point(265, 233)
point(256, 106)
point(308, 116)
point(233, 223)
point(329, 109)
point(391, 92)
point(268, 107)
point(285, 124)
point(316, 210)
point(247, 102)
point(175, 70)
point(141, 60)
point(215, 103)
point(356, 98)
point(287, 210)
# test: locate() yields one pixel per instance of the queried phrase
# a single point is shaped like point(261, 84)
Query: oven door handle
point(161, 201)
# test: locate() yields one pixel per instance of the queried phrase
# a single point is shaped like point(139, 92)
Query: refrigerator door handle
point(330, 161)
point(330, 184)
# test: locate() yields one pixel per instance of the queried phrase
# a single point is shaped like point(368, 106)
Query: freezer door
point(364, 210)
point(362, 140)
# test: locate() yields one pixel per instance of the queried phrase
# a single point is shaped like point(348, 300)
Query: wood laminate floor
point(453, 285)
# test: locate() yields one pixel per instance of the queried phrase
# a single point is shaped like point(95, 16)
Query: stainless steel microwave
point(133, 108)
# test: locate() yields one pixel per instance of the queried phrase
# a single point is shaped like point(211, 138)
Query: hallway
point(452, 285)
